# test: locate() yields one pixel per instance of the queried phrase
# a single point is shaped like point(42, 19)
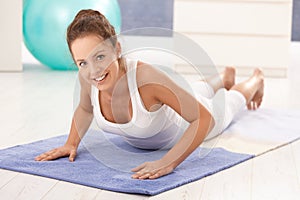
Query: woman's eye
point(100, 57)
point(82, 64)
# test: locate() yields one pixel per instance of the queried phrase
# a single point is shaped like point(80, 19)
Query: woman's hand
point(152, 170)
point(64, 151)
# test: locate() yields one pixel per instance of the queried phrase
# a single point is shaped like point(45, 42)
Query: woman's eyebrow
point(97, 52)
point(94, 55)
point(79, 60)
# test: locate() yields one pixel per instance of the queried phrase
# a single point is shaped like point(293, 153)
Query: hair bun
point(88, 13)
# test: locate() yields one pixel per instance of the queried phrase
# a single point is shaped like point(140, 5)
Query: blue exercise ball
point(45, 25)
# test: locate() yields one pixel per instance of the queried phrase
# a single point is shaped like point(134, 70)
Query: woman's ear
point(118, 49)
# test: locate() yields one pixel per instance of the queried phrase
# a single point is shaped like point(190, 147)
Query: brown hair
point(88, 22)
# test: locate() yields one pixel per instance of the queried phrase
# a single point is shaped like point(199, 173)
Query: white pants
point(223, 105)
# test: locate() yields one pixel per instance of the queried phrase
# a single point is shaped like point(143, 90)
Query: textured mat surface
point(105, 163)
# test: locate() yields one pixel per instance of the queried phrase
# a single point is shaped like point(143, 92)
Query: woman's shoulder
point(146, 79)
point(145, 72)
point(148, 74)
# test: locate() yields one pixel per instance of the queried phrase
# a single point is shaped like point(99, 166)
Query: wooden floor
point(37, 104)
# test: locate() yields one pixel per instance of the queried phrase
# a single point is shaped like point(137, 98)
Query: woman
point(137, 101)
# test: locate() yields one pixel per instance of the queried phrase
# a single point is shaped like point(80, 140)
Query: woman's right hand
point(63, 151)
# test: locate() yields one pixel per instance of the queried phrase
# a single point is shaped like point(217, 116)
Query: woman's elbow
point(206, 118)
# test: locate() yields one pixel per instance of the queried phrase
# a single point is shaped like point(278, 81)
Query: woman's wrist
point(71, 144)
point(169, 162)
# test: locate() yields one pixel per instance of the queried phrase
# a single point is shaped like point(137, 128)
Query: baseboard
point(240, 70)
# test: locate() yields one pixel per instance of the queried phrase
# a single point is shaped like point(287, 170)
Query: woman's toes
point(258, 96)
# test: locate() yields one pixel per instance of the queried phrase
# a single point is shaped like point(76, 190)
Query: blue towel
point(104, 162)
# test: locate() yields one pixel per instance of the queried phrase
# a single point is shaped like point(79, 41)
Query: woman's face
point(97, 61)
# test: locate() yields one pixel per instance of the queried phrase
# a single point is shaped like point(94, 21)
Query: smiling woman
point(142, 104)
point(98, 60)
point(93, 44)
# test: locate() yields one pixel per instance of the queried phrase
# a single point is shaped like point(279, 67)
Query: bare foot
point(228, 77)
point(225, 79)
point(255, 102)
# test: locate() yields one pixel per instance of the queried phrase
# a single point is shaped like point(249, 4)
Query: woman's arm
point(81, 121)
point(80, 124)
point(165, 91)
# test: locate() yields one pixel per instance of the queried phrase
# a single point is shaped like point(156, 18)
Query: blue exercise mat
point(104, 161)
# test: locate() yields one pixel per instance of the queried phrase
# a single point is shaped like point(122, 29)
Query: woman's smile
point(101, 79)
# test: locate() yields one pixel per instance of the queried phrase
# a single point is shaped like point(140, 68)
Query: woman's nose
point(96, 71)
point(96, 67)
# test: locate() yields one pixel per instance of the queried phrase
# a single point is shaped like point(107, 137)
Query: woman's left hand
point(152, 170)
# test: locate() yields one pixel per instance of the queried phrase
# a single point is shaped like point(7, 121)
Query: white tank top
point(147, 130)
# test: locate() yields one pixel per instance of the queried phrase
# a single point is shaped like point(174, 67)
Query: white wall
point(11, 35)
point(241, 33)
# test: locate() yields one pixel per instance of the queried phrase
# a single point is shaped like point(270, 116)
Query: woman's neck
point(120, 88)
